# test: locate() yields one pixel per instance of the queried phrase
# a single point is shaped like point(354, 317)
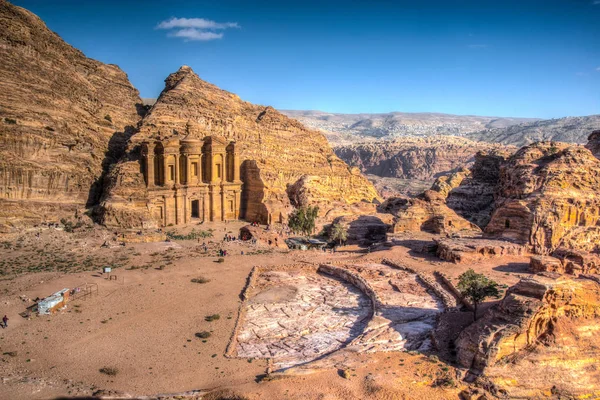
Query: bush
point(48, 128)
point(110, 371)
point(203, 335)
point(338, 233)
point(10, 121)
point(193, 235)
point(210, 318)
point(108, 118)
point(221, 260)
point(200, 279)
point(476, 287)
point(303, 220)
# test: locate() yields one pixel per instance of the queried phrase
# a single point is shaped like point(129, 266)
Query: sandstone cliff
point(594, 143)
point(427, 212)
point(473, 197)
point(540, 339)
point(548, 196)
point(413, 158)
point(63, 119)
point(278, 154)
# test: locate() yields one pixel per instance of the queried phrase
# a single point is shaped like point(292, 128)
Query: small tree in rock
point(302, 220)
point(338, 232)
point(476, 287)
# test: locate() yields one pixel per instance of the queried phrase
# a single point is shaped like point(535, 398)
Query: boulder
point(469, 250)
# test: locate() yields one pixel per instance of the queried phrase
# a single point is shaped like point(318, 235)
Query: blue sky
point(485, 57)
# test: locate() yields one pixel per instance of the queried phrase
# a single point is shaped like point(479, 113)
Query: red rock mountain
point(281, 159)
point(63, 119)
point(413, 157)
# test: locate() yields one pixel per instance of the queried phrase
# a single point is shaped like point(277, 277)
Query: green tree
point(338, 232)
point(302, 220)
point(476, 287)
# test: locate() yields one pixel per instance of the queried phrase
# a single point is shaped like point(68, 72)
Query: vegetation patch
point(110, 371)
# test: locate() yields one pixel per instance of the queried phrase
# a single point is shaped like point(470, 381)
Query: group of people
point(222, 253)
point(229, 238)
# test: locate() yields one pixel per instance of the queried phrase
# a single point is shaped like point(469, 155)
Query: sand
point(143, 324)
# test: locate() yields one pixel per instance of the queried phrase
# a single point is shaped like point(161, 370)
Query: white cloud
point(596, 2)
point(196, 29)
point(198, 23)
point(195, 34)
point(598, 69)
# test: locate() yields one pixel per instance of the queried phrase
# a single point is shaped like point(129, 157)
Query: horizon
point(467, 59)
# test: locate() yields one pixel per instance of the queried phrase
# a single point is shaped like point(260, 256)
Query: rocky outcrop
point(469, 250)
point(593, 144)
point(277, 153)
point(411, 157)
point(473, 198)
point(427, 212)
point(64, 118)
point(548, 196)
point(547, 318)
point(367, 228)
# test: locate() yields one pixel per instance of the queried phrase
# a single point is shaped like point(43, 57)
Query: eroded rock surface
point(277, 153)
point(412, 157)
point(468, 250)
point(64, 118)
point(473, 198)
point(427, 212)
point(544, 329)
point(295, 315)
point(549, 196)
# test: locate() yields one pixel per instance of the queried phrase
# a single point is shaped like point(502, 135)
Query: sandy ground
point(144, 322)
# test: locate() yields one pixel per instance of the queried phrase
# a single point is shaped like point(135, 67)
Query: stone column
point(222, 202)
point(236, 204)
point(165, 169)
point(165, 211)
point(236, 167)
point(177, 169)
point(200, 170)
point(188, 172)
point(205, 208)
point(179, 210)
point(150, 171)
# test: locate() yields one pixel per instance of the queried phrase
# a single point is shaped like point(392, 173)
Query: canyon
point(167, 220)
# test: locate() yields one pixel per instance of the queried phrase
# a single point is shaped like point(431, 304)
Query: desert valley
point(199, 246)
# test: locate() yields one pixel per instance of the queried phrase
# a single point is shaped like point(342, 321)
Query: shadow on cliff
point(367, 230)
point(513, 267)
point(423, 249)
point(116, 150)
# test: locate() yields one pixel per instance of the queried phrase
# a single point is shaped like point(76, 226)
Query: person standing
point(5, 322)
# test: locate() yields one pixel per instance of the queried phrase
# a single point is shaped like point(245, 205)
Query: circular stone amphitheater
point(296, 314)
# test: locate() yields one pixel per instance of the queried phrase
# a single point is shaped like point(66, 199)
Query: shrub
point(200, 279)
point(193, 235)
point(210, 318)
point(476, 287)
point(110, 371)
point(203, 335)
point(108, 118)
point(10, 121)
point(302, 220)
point(221, 260)
point(338, 232)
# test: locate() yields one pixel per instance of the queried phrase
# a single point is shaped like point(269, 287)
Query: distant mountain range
point(345, 129)
point(342, 129)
